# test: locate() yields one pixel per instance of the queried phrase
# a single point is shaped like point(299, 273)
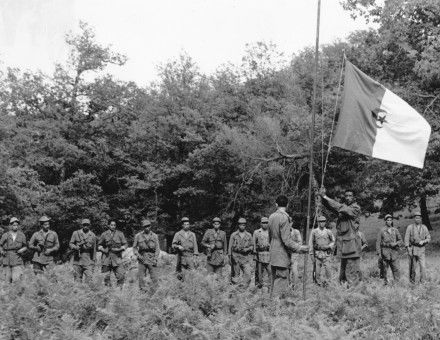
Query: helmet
point(264, 219)
point(43, 219)
point(145, 223)
point(184, 219)
point(85, 221)
point(387, 216)
point(417, 213)
point(322, 219)
point(241, 220)
point(216, 219)
point(14, 219)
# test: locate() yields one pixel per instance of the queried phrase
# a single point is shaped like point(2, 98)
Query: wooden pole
point(312, 137)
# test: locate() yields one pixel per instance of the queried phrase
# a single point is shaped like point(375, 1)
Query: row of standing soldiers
point(274, 247)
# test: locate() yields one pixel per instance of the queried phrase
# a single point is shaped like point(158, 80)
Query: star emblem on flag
point(380, 117)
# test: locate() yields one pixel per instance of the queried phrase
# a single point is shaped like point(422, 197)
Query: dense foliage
point(79, 143)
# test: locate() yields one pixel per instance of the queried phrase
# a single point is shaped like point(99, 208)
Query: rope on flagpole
point(334, 118)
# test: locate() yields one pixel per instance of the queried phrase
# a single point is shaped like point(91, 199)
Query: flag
point(375, 122)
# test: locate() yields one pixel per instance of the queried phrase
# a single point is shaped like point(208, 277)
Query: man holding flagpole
point(348, 242)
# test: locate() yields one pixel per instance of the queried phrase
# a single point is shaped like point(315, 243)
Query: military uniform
point(294, 257)
point(216, 255)
point(348, 241)
point(416, 237)
point(240, 253)
point(262, 257)
point(12, 261)
point(185, 256)
point(113, 243)
point(387, 246)
point(147, 249)
point(84, 256)
point(44, 244)
point(321, 243)
point(281, 247)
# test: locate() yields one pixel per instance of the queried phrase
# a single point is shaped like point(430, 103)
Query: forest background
point(79, 143)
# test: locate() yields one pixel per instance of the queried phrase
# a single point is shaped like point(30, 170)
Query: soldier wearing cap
point(44, 243)
point(240, 253)
point(83, 243)
point(215, 243)
point(281, 247)
point(416, 238)
point(111, 244)
point(146, 248)
point(185, 243)
point(387, 246)
point(348, 241)
point(321, 245)
point(12, 247)
point(261, 252)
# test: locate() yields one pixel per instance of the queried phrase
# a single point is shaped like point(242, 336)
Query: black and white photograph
point(219, 169)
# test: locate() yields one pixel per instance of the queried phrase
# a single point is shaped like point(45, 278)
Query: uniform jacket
point(388, 242)
point(87, 253)
point(187, 240)
point(241, 246)
point(321, 243)
point(348, 242)
point(216, 256)
point(12, 258)
point(261, 245)
point(281, 241)
point(110, 240)
point(415, 234)
point(40, 242)
point(146, 247)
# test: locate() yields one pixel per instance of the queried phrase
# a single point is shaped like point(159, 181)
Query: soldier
point(364, 243)
point(215, 243)
point(416, 238)
point(12, 247)
point(321, 245)
point(44, 243)
point(111, 244)
point(281, 247)
point(83, 242)
point(261, 251)
point(147, 250)
point(185, 243)
point(387, 245)
point(240, 253)
point(294, 257)
point(348, 242)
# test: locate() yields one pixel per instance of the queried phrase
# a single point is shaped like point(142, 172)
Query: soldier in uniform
point(261, 251)
point(83, 242)
point(321, 245)
point(44, 243)
point(215, 244)
point(416, 238)
point(185, 243)
point(111, 244)
point(146, 248)
point(240, 253)
point(281, 247)
point(348, 242)
point(294, 257)
point(387, 246)
point(12, 246)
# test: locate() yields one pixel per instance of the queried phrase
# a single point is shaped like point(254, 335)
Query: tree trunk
point(424, 212)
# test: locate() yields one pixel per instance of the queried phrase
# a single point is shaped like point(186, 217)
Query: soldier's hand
point(101, 248)
point(303, 249)
point(322, 191)
point(2, 252)
point(47, 252)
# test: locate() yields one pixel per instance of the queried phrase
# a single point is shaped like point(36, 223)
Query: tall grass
point(53, 306)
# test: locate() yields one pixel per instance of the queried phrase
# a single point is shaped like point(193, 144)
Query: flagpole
point(312, 137)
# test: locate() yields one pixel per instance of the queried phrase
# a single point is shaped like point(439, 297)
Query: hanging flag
point(375, 122)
